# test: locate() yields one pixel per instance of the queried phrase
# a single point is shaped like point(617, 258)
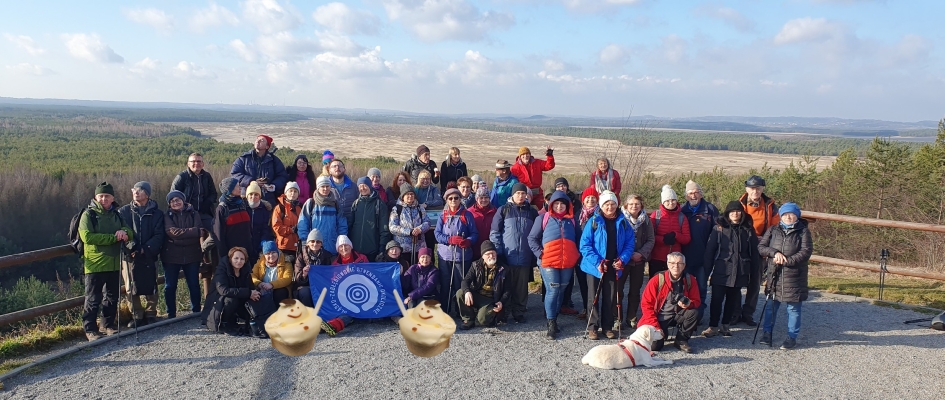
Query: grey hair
point(678, 255)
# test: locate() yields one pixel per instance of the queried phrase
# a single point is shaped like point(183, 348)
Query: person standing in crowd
point(327, 158)
point(232, 290)
point(140, 268)
point(322, 212)
point(272, 274)
point(644, 239)
point(731, 256)
point(553, 239)
point(562, 185)
point(368, 227)
point(374, 175)
point(408, 224)
point(484, 292)
point(451, 170)
point(260, 215)
point(346, 253)
point(702, 217)
point(313, 255)
point(788, 247)
point(528, 169)
point(420, 280)
point(455, 233)
point(483, 212)
point(181, 251)
point(509, 233)
point(567, 305)
point(672, 299)
point(198, 188)
point(467, 195)
point(607, 245)
point(605, 177)
point(393, 192)
point(427, 193)
point(104, 234)
point(302, 173)
point(763, 212)
point(589, 207)
point(421, 162)
point(346, 192)
point(671, 234)
point(231, 224)
point(285, 221)
point(261, 166)
point(478, 182)
point(502, 186)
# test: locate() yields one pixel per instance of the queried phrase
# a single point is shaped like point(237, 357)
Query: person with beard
point(732, 256)
point(670, 227)
point(285, 220)
point(345, 190)
point(322, 212)
point(482, 211)
point(421, 162)
point(140, 267)
point(263, 167)
point(368, 225)
point(302, 173)
point(452, 169)
point(313, 254)
point(483, 294)
point(231, 225)
point(644, 240)
point(260, 215)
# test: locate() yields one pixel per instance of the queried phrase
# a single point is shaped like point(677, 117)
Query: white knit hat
point(292, 185)
point(343, 239)
point(608, 196)
point(667, 194)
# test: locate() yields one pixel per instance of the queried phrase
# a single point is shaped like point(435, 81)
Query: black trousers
point(633, 274)
point(517, 279)
point(101, 290)
point(603, 313)
point(732, 296)
point(685, 321)
point(233, 308)
point(581, 278)
point(657, 266)
point(751, 295)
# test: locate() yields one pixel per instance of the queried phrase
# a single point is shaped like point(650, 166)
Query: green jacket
point(102, 251)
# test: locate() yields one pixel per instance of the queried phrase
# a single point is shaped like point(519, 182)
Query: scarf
point(787, 227)
point(349, 259)
point(254, 205)
point(586, 213)
point(638, 221)
point(380, 192)
point(603, 184)
point(329, 200)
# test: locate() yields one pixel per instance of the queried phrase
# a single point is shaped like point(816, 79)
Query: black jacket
point(476, 277)
point(731, 254)
point(226, 285)
point(413, 166)
point(199, 190)
point(451, 173)
point(147, 222)
point(788, 282)
point(323, 257)
point(368, 226)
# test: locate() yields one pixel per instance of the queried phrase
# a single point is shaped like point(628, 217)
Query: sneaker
point(582, 315)
point(632, 323)
point(93, 336)
point(788, 344)
point(519, 318)
point(568, 311)
point(725, 331)
point(749, 321)
point(467, 325)
point(766, 338)
point(683, 346)
point(111, 330)
point(592, 334)
point(710, 332)
point(610, 334)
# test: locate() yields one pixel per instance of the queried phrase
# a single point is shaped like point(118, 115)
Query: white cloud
point(340, 18)
point(587, 6)
point(152, 17)
point(211, 17)
point(90, 48)
point(284, 45)
point(440, 20)
point(674, 48)
point(268, 16)
point(807, 29)
point(30, 69)
point(243, 50)
point(328, 65)
point(768, 82)
point(910, 49)
point(145, 68)
point(477, 69)
point(614, 54)
point(26, 43)
point(189, 70)
point(728, 15)
point(277, 72)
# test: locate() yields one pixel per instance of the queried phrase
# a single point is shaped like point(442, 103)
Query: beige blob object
point(426, 328)
point(294, 326)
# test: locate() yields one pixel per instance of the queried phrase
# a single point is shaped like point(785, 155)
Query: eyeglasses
point(451, 198)
point(464, 187)
point(195, 161)
point(675, 263)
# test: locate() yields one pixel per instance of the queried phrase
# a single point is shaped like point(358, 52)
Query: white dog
point(632, 352)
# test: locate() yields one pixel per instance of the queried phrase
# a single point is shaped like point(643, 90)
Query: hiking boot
point(519, 319)
point(260, 332)
point(582, 315)
point(683, 346)
point(725, 331)
point(632, 323)
point(111, 330)
point(467, 325)
point(788, 344)
point(136, 323)
point(766, 338)
point(710, 332)
point(93, 336)
point(552, 333)
point(568, 311)
point(749, 321)
point(592, 334)
point(610, 334)
point(150, 320)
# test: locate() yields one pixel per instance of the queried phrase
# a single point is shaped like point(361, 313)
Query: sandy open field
point(480, 149)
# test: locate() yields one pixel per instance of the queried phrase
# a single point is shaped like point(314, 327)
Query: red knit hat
point(590, 191)
point(268, 139)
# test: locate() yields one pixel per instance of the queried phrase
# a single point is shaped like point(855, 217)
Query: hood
point(99, 209)
point(518, 160)
point(561, 196)
point(151, 205)
point(746, 222)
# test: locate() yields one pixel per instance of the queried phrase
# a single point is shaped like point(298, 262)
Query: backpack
point(659, 214)
point(662, 280)
point(75, 241)
point(462, 216)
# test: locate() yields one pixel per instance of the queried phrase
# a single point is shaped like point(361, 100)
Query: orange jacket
point(284, 220)
point(764, 216)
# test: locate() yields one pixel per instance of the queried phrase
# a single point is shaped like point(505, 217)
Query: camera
point(679, 298)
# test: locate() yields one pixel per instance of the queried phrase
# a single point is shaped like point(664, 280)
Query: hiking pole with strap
point(594, 305)
point(449, 305)
point(763, 308)
point(128, 295)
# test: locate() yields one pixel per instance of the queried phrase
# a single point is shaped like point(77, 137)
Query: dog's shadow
point(717, 360)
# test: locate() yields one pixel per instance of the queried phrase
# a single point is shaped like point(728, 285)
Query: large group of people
point(254, 238)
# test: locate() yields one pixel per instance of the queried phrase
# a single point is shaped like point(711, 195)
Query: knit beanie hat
point(253, 188)
point(227, 185)
point(269, 246)
point(524, 150)
point(374, 172)
point(327, 156)
point(733, 205)
point(365, 181)
point(608, 196)
point(145, 186)
point(105, 188)
point(451, 191)
point(342, 240)
point(404, 189)
point(486, 246)
point(322, 181)
point(175, 194)
point(563, 181)
point(292, 185)
point(589, 192)
point(315, 235)
point(475, 179)
point(482, 192)
point(424, 251)
point(666, 194)
point(790, 208)
point(692, 185)
point(519, 187)
point(391, 244)
point(268, 139)
point(422, 149)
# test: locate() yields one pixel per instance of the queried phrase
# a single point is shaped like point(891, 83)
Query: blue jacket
point(247, 168)
point(594, 242)
point(510, 228)
point(454, 225)
point(501, 191)
point(403, 219)
point(326, 219)
point(556, 229)
point(702, 221)
point(346, 196)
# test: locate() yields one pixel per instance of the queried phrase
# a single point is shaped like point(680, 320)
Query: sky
point(607, 58)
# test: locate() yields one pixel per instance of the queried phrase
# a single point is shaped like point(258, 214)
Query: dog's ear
point(648, 333)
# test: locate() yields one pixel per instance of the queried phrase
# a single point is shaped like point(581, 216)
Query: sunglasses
point(451, 198)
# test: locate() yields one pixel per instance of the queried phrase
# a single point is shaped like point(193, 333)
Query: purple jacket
point(420, 282)
point(459, 224)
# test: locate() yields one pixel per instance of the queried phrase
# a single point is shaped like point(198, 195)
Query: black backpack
point(75, 241)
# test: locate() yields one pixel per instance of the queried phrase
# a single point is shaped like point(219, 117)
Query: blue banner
point(357, 290)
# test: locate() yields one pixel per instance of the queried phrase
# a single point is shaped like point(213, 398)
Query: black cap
point(561, 180)
point(755, 181)
point(486, 247)
point(734, 205)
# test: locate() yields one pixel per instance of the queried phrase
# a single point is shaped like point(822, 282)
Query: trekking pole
point(619, 315)
point(593, 306)
point(130, 297)
point(763, 308)
point(449, 306)
point(413, 250)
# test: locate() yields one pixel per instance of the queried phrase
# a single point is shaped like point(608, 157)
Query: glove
point(669, 238)
point(465, 243)
point(549, 152)
point(456, 240)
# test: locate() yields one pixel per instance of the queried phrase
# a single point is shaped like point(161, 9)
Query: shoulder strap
point(681, 217)
point(544, 220)
point(659, 214)
point(662, 280)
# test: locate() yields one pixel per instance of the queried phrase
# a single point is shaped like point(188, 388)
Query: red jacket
point(483, 218)
point(530, 175)
point(669, 222)
point(615, 185)
point(652, 302)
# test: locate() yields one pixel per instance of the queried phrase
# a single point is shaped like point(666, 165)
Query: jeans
point(701, 279)
point(170, 286)
point(793, 320)
point(554, 280)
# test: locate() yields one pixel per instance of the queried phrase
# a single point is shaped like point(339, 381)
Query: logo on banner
point(358, 290)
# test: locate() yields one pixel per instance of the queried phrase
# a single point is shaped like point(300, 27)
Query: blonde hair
point(422, 173)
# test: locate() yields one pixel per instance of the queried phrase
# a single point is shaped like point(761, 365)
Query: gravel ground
point(846, 350)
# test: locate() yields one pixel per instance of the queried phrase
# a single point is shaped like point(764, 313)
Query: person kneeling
point(419, 282)
point(232, 289)
point(272, 276)
point(672, 299)
point(483, 292)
